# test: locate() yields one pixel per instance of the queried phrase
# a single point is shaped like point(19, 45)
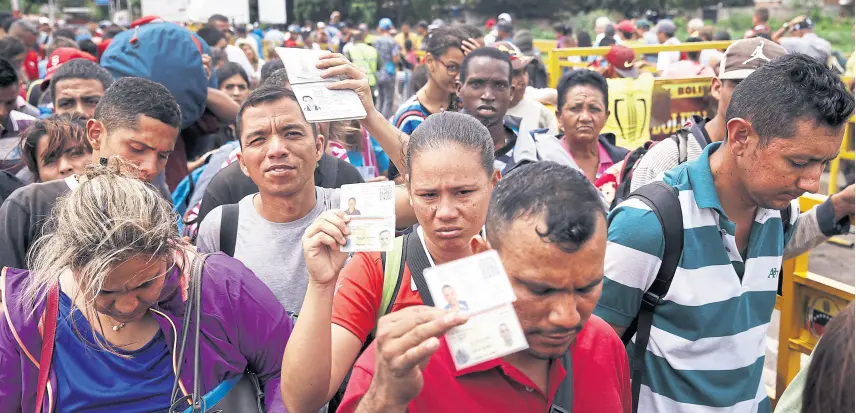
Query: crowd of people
point(171, 238)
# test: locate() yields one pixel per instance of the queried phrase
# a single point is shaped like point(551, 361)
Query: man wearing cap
point(797, 36)
point(76, 82)
point(387, 51)
point(621, 63)
point(529, 111)
point(665, 30)
point(627, 32)
point(738, 61)
point(493, 36)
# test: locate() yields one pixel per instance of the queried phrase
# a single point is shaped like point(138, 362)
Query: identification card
point(477, 285)
point(371, 208)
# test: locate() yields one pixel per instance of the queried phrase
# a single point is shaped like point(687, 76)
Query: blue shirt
point(92, 380)
point(707, 342)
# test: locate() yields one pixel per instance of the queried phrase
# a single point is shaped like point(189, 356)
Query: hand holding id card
point(479, 286)
point(318, 103)
point(371, 208)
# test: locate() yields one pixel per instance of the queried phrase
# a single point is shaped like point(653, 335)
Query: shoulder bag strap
point(229, 229)
point(417, 261)
point(392, 275)
point(48, 340)
point(663, 200)
point(192, 311)
point(563, 400)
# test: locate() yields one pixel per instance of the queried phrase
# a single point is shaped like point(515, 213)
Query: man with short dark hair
point(705, 348)
point(28, 34)
point(222, 24)
point(77, 83)
point(136, 119)
point(541, 217)
point(485, 90)
point(271, 67)
point(12, 121)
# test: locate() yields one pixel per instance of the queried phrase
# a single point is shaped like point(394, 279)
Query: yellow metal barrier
point(807, 303)
point(845, 153)
point(558, 58)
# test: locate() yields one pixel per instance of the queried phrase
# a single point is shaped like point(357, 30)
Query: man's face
point(787, 167)
point(556, 290)
point(661, 37)
point(385, 239)
point(421, 30)
point(148, 146)
point(450, 295)
point(279, 150)
point(405, 28)
point(8, 100)
point(78, 96)
point(486, 93)
point(29, 39)
point(519, 80)
point(307, 100)
point(505, 333)
point(224, 27)
point(352, 203)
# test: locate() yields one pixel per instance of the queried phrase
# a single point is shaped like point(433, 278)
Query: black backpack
point(631, 161)
point(663, 201)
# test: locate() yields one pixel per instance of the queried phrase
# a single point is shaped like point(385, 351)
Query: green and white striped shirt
point(706, 349)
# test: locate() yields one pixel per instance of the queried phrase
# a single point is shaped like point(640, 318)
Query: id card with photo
point(474, 284)
point(486, 336)
point(371, 208)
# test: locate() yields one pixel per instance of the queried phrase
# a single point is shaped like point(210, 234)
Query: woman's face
point(444, 70)
point(450, 191)
point(132, 287)
point(236, 87)
point(584, 114)
point(66, 162)
point(248, 51)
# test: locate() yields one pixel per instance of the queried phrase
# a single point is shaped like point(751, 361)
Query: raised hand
point(322, 244)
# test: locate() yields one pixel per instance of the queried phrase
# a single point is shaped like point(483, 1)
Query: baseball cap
point(621, 58)
point(385, 23)
point(804, 24)
point(504, 17)
point(44, 20)
point(643, 24)
point(665, 26)
point(59, 57)
point(490, 23)
point(746, 55)
point(518, 59)
point(504, 26)
point(625, 26)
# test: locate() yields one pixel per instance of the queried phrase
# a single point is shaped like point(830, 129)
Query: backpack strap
point(48, 341)
point(682, 141)
point(663, 200)
point(393, 272)
point(229, 229)
point(417, 261)
point(329, 168)
point(563, 400)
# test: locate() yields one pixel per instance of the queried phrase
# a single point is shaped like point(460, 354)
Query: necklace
point(117, 327)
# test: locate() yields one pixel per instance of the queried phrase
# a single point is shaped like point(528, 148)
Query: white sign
point(272, 11)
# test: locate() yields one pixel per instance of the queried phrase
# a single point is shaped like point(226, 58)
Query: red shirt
point(601, 380)
point(359, 292)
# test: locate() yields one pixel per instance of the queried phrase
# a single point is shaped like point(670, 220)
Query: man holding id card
point(547, 225)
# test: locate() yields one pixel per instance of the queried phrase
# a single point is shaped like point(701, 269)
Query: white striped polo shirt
point(706, 349)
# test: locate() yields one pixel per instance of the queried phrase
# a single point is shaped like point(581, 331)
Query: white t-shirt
point(665, 59)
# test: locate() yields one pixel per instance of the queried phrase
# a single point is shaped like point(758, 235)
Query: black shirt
point(8, 184)
point(230, 185)
point(22, 217)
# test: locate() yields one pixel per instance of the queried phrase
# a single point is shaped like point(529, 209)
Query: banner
point(647, 108)
point(630, 103)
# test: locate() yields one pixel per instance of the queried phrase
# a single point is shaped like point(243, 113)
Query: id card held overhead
point(318, 103)
point(479, 286)
point(371, 208)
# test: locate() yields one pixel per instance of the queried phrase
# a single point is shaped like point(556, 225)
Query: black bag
point(663, 201)
point(245, 396)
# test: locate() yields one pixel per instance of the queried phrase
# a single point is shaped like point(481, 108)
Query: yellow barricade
point(558, 58)
point(807, 303)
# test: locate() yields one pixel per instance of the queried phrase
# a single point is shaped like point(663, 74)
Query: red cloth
point(601, 380)
point(359, 292)
point(31, 65)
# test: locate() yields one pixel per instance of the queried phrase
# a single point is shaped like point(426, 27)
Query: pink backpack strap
point(48, 340)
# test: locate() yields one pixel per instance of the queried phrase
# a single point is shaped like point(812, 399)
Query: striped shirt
point(410, 114)
point(707, 342)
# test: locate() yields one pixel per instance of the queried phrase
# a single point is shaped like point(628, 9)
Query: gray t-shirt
point(273, 251)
